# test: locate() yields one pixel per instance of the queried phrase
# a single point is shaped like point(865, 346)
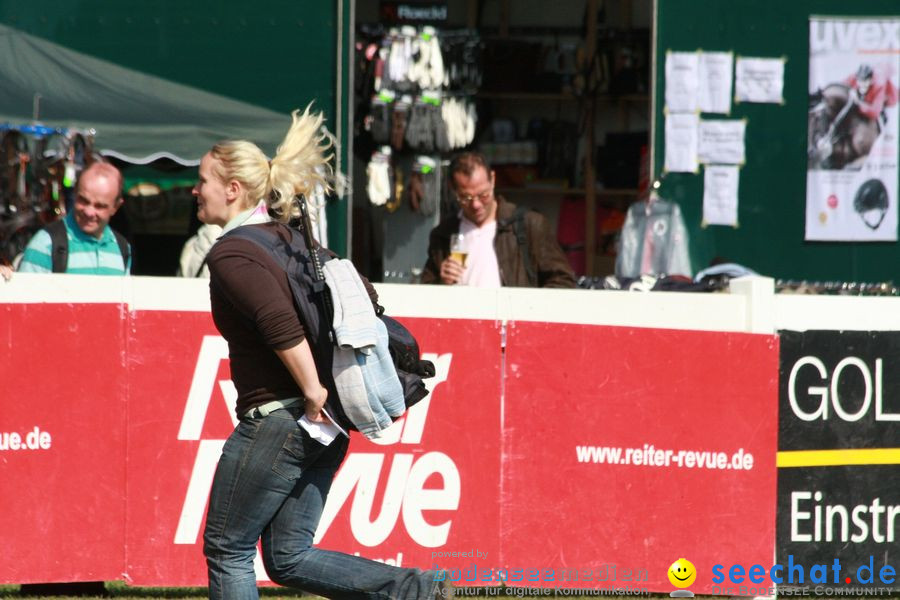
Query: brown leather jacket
point(547, 259)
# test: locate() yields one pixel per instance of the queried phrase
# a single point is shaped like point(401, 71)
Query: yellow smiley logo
point(682, 573)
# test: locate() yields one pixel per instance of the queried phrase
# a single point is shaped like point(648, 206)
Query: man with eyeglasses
point(505, 245)
point(83, 242)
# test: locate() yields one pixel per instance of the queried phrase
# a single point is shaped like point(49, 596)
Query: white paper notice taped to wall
point(721, 141)
point(681, 142)
point(720, 195)
point(715, 82)
point(682, 81)
point(759, 80)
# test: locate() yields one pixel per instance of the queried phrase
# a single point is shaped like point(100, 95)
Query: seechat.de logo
point(682, 574)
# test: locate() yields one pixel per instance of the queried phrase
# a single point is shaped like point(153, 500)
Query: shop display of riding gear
point(420, 133)
point(460, 118)
point(426, 173)
point(379, 173)
point(426, 68)
point(380, 124)
point(462, 51)
point(399, 121)
point(419, 84)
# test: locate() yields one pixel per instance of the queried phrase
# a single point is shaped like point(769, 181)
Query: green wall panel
point(772, 196)
point(273, 53)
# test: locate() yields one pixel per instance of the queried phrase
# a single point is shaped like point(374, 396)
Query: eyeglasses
point(483, 197)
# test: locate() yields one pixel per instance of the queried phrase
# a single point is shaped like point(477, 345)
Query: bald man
point(89, 246)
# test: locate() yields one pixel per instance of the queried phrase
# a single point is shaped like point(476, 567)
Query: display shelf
point(507, 96)
point(560, 97)
point(555, 191)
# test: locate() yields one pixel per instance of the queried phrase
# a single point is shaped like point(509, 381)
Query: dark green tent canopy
point(137, 118)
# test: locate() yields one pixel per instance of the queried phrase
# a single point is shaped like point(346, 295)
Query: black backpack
point(302, 261)
point(59, 241)
point(404, 348)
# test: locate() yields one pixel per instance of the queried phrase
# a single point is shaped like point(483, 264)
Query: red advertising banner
point(430, 483)
point(610, 449)
point(181, 411)
point(62, 442)
point(627, 449)
point(434, 487)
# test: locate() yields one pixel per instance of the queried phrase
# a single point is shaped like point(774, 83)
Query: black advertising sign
point(839, 455)
point(848, 513)
point(839, 389)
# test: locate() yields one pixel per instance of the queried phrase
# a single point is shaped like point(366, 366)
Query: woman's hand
point(315, 401)
point(299, 362)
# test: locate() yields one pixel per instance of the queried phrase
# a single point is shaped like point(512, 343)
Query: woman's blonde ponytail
point(302, 163)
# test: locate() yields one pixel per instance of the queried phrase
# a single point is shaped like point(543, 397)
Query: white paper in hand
point(324, 433)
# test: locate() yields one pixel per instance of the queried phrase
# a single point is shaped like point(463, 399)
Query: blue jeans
point(271, 484)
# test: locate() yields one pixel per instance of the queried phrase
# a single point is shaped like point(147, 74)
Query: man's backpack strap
point(522, 239)
point(59, 246)
point(123, 248)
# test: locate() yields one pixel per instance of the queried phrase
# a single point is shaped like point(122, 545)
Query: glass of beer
point(458, 251)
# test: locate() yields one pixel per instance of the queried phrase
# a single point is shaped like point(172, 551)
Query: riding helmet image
point(871, 202)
